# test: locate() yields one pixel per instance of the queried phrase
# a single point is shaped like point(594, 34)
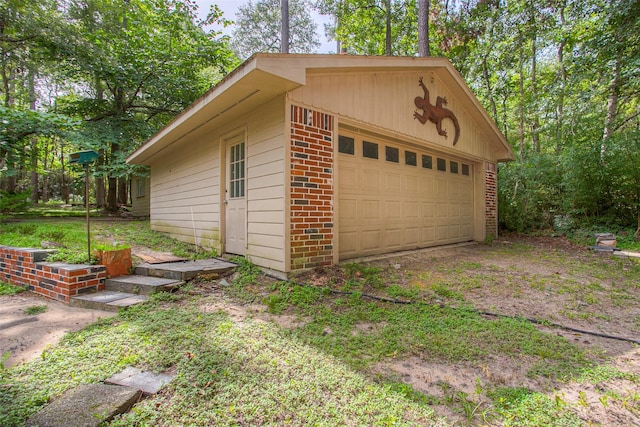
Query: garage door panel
point(412, 210)
point(348, 243)
point(454, 210)
point(369, 210)
point(426, 186)
point(393, 182)
point(412, 236)
point(348, 211)
point(428, 210)
point(394, 238)
point(410, 183)
point(371, 240)
point(393, 209)
point(395, 206)
point(348, 178)
point(369, 181)
point(428, 234)
point(441, 188)
point(442, 210)
point(443, 233)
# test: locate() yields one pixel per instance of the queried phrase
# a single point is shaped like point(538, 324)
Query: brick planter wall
point(24, 267)
point(311, 188)
point(491, 200)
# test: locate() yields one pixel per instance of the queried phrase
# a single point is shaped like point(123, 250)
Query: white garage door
point(394, 197)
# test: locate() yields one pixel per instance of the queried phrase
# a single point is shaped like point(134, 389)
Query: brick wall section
point(24, 267)
point(312, 169)
point(491, 199)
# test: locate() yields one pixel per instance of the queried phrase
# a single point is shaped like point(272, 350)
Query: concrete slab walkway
point(88, 405)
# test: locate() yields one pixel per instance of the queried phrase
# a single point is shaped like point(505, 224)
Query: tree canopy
point(560, 78)
point(121, 69)
point(258, 28)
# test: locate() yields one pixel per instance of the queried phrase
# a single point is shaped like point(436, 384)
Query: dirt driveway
point(547, 279)
point(25, 336)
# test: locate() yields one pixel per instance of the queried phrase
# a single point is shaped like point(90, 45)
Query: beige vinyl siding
point(265, 184)
point(385, 101)
point(188, 176)
point(185, 193)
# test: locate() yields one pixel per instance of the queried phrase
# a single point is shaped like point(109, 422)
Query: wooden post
point(86, 202)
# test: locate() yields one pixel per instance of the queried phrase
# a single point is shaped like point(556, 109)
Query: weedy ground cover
point(226, 373)
point(382, 342)
point(69, 238)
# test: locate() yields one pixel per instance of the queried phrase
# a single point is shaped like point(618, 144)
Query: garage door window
point(465, 170)
point(427, 162)
point(441, 164)
point(346, 145)
point(369, 150)
point(453, 167)
point(392, 154)
point(410, 158)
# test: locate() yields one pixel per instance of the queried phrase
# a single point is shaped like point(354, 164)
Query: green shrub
point(14, 202)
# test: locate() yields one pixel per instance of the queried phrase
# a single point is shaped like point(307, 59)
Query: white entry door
point(235, 200)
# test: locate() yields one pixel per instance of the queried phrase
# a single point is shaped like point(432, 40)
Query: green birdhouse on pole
point(85, 158)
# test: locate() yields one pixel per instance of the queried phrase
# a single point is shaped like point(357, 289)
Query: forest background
point(561, 79)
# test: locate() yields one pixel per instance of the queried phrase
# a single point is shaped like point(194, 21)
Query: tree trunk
point(520, 104)
point(388, 28)
point(45, 179)
point(612, 107)
point(112, 190)
point(64, 187)
point(423, 28)
point(535, 122)
point(563, 84)
point(284, 26)
point(487, 82)
point(123, 191)
point(100, 192)
point(31, 82)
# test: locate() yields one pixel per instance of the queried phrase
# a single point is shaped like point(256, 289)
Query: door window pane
point(427, 162)
point(236, 170)
point(442, 164)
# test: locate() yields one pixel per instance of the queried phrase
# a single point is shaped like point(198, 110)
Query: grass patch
point(70, 238)
point(226, 374)
point(32, 310)
point(521, 407)
point(9, 289)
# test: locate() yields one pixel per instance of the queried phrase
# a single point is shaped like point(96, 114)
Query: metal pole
point(86, 201)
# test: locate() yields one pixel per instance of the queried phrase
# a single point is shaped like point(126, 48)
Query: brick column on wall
point(491, 199)
point(312, 167)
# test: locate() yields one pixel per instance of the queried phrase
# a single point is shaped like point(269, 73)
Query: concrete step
point(107, 300)
point(184, 270)
point(140, 285)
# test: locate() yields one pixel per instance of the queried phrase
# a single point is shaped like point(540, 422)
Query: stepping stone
point(88, 405)
point(148, 382)
point(143, 285)
point(106, 300)
point(184, 270)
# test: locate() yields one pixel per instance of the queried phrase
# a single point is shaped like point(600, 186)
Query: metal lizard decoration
point(435, 113)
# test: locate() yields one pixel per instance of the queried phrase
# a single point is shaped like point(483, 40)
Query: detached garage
point(299, 161)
